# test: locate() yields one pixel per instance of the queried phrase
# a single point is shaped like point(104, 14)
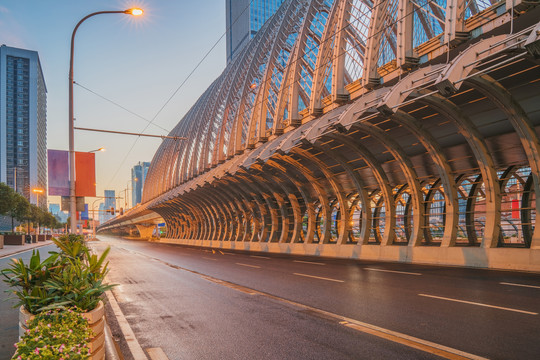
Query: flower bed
point(55, 334)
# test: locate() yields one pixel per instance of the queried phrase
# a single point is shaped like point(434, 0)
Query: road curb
point(111, 348)
point(23, 250)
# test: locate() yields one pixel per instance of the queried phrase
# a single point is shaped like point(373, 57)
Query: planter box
point(96, 320)
point(41, 237)
point(1, 241)
point(48, 236)
point(13, 239)
point(34, 239)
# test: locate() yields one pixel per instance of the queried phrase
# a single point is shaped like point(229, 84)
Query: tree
point(6, 199)
point(19, 209)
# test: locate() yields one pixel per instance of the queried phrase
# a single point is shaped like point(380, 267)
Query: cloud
point(4, 10)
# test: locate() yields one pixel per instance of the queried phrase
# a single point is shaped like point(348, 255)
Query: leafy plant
point(80, 283)
point(71, 277)
point(29, 280)
point(55, 335)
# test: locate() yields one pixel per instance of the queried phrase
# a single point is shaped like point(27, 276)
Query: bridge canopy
point(356, 122)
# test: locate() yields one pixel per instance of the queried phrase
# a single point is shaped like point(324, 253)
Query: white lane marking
point(133, 344)
point(253, 266)
point(523, 285)
point(318, 277)
point(308, 262)
point(393, 271)
point(207, 258)
point(259, 257)
point(479, 304)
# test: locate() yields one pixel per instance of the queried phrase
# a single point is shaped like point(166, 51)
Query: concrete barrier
point(13, 239)
point(477, 257)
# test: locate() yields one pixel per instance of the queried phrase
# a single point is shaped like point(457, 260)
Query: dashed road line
point(308, 262)
point(393, 271)
point(479, 304)
point(253, 266)
point(259, 257)
point(207, 258)
point(319, 277)
point(522, 285)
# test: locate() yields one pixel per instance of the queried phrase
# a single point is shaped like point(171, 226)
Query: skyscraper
point(138, 176)
point(244, 19)
point(23, 122)
point(110, 202)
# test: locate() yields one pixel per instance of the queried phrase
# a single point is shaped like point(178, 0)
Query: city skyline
point(112, 55)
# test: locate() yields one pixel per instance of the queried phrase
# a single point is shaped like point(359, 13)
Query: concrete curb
point(18, 251)
point(111, 349)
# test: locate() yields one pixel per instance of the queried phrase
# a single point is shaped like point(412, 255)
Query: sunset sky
point(137, 63)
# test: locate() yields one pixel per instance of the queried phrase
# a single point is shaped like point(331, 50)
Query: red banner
point(58, 165)
point(515, 209)
point(85, 174)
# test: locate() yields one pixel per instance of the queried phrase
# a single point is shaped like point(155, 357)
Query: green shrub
point(55, 335)
point(71, 277)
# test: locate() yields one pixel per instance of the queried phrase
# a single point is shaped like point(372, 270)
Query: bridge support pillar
point(145, 231)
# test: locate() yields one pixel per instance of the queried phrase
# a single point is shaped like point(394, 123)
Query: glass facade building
point(138, 176)
point(244, 19)
point(110, 202)
point(23, 122)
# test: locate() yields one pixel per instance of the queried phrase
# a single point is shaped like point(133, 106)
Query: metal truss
point(386, 122)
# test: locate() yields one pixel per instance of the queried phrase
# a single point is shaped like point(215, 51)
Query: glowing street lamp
point(100, 149)
point(72, 199)
point(134, 12)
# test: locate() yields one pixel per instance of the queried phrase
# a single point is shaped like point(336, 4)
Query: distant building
point(55, 210)
point(23, 122)
point(110, 202)
point(244, 19)
point(138, 176)
point(101, 213)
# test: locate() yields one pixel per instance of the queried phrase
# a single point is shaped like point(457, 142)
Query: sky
point(135, 62)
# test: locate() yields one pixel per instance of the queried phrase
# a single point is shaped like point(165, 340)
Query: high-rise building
point(244, 19)
point(138, 176)
point(101, 213)
point(23, 122)
point(110, 202)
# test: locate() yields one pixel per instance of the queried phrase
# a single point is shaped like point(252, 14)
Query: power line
point(120, 106)
point(179, 87)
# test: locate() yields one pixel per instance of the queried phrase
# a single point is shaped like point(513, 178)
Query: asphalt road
point(196, 303)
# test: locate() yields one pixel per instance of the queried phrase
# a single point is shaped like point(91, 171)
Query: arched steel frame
point(334, 113)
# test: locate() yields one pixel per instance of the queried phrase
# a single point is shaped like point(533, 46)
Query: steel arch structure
point(351, 127)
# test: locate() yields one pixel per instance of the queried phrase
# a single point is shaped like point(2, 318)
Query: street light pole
point(72, 199)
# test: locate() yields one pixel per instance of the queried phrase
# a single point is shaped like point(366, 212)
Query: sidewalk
point(9, 250)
